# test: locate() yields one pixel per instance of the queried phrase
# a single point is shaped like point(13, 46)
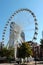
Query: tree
point(24, 50)
point(41, 41)
point(7, 52)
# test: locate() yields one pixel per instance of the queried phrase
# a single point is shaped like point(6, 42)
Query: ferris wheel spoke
point(29, 30)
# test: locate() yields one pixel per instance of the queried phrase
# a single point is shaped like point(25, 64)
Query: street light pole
point(35, 55)
point(35, 59)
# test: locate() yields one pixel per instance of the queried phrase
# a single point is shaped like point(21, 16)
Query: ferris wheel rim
point(8, 22)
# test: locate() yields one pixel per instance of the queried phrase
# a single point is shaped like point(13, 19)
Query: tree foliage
point(41, 41)
point(6, 52)
point(24, 50)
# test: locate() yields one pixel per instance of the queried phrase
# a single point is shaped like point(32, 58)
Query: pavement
point(6, 64)
point(29, 63)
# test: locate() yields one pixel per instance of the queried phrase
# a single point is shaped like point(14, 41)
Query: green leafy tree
point(7, 52)
point(24, 50)
point(41, 41)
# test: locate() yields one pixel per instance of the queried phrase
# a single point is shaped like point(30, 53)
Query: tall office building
point(23, 36)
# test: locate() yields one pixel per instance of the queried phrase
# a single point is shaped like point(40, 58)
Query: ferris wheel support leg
point(15, 52)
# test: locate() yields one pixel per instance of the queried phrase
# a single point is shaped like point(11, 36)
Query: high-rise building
point(23, 36)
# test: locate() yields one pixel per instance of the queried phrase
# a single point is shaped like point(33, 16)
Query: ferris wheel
point(25, 21)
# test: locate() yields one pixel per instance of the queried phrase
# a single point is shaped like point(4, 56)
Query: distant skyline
point(7, 7)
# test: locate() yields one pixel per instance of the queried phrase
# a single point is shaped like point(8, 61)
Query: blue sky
point(7, 7)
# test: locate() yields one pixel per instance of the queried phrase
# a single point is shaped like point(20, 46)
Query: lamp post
point(35, 55)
